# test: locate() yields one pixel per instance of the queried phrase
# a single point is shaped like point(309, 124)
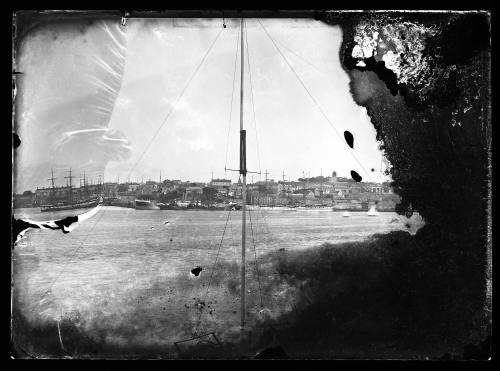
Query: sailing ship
point(70, 204)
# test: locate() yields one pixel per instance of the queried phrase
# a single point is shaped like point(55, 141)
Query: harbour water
point(127, 268)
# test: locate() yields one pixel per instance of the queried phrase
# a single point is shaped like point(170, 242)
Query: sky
point(115, 101)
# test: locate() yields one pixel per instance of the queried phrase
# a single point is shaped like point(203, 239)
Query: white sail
point(373, 211)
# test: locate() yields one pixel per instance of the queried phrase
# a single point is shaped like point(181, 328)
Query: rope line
point(215, 263)
point(300, 57)
point(177, 100)
point(313, 99)
point(74, 253)
point(232, 97)
point(252, 96)
point(255, 256)
point(231, 228)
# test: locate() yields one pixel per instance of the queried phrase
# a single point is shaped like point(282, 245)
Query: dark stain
point(16, 140)
point(385, 74)
point(66, 222)
point(349, 138)
point(318, 15)
point(356, 176)
point(482, 351)
point(19, 225)
point(196, 271)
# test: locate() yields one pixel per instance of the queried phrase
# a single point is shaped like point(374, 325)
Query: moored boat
point(64, 206)
point(373, 211)
point(146, 205)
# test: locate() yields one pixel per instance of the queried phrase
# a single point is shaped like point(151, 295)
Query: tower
point(333, 178)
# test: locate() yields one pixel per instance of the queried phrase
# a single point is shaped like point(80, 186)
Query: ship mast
point(243, 172)
point(70, 186)
point(52, 190)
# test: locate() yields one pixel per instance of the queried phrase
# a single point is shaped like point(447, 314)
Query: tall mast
point(70, 185)
point(243, 172)
point(321, 194)
point(84, 186)
point(52, 190)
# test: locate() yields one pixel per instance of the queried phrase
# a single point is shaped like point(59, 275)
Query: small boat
point(232, 206)
point(346, 214)
point(373, 211)
point(146, 205)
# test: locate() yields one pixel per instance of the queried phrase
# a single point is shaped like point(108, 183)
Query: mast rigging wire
point(232, 97)
point(71, 257)
point(312, 98)
point(300, 57)
point(177, 100)
point(252, 97)
point(255, 256)
point(214, 265)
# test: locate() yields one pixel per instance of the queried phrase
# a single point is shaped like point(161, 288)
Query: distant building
point(111, 189)
point(221, 185)
point(285, 187)
point(236, 189)
point(193, 193)
point(168, 186)
point(27, 199)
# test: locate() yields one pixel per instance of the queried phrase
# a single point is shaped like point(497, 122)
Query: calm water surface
point(126, 267)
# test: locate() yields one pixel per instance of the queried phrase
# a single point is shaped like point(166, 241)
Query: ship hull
point(145, 205)
point(79, 205)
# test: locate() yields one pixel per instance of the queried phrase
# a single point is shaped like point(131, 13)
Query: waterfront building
point(221, 185)
point(193, 193)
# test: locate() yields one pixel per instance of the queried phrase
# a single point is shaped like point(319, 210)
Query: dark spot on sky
point(196, 271)
point(372, 169)
point(16, 141)
point(356, 176)
point(349, 138)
